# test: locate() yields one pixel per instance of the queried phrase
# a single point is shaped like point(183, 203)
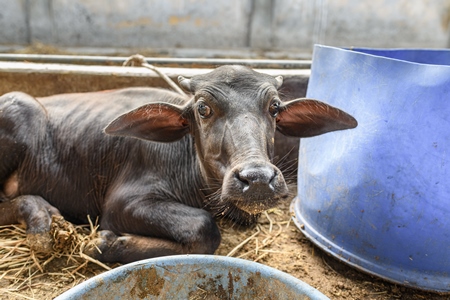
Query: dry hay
point(257, 246)
point(21, 268)
point(24, 273)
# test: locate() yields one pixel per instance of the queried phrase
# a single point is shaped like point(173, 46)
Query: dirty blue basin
point(193, 277)
point(378, 197)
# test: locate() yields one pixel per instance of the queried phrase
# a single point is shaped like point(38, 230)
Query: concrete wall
point(270, 25)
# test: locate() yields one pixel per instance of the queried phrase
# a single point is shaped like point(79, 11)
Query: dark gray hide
point(166, 167)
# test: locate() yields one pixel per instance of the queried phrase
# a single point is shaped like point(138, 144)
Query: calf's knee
point(202, 236)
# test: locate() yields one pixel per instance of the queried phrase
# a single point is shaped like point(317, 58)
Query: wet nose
point(257, 178)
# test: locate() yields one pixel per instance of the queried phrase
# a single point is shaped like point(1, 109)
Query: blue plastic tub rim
point(438, 57)
point(191, 259)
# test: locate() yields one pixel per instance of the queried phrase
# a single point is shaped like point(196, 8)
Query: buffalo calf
point(155, 167)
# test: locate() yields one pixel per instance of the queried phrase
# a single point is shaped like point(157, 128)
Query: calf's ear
point(307, 118)
point(159, 122)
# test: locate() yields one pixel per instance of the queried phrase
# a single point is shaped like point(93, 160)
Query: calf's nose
point(256, 178)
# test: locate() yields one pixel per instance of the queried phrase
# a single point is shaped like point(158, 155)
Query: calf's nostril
point(245, 184)
point(273, 177)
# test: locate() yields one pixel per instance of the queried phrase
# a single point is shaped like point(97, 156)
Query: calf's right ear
point(159, 122)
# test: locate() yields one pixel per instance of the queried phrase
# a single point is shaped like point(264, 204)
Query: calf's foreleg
point(36, 214)
point(146, 229)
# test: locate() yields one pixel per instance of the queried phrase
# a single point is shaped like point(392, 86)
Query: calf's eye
point(204, 110)
point(274, 108)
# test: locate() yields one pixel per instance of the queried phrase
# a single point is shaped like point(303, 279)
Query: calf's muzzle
point(255, 186)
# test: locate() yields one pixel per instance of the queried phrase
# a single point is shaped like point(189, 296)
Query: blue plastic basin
point(378, 197)
point(193, 277)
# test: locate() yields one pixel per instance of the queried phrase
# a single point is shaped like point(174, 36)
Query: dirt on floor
point(274, 241)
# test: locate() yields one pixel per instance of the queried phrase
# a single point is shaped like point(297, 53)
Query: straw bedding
point(27, 274)
point(21, 269)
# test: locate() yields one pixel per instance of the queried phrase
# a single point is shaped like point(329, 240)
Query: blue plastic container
point(193, 277)
point(378, 197)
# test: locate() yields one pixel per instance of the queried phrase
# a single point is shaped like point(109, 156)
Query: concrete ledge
point(43, 79)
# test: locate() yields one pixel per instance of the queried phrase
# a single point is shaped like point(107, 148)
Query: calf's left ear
point(159, 122)
point(307, 118)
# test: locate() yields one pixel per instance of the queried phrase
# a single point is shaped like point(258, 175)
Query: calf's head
point(233, 116)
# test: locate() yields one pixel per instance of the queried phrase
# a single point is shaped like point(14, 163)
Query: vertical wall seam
point(27, 8)
point(50, 9)
point(249, 24)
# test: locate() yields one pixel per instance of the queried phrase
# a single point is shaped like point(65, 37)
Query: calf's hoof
point(101, 244)
point(40, 242)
